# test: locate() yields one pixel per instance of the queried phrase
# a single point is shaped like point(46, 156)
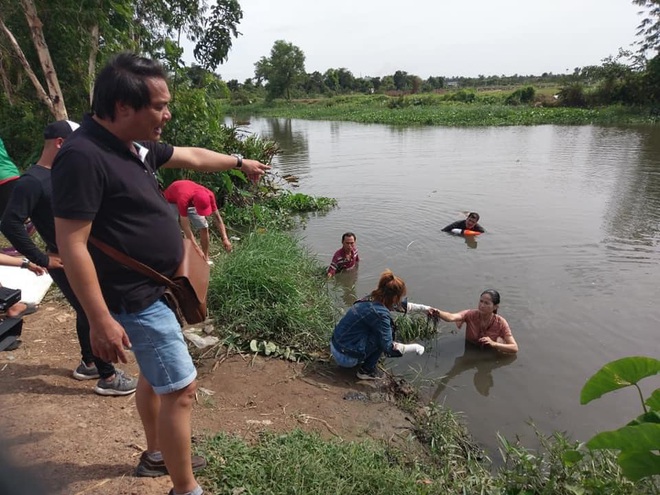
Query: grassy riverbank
point(477, 110)
point(270, 297)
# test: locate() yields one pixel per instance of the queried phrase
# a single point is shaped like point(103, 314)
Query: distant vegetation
point(484, 109)
point(622, 90)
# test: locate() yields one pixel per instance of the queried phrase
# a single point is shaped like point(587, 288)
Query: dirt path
point(80, 443)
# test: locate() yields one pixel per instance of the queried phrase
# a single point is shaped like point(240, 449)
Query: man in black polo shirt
point(31, 198)
point(104, 185)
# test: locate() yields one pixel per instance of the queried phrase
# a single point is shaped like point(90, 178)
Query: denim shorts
point(196, 221)
point(342, 359)
point(159, 348)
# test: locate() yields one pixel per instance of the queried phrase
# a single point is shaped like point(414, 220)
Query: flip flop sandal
point(29, 309)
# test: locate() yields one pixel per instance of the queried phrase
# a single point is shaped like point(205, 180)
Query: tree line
point(50, 52)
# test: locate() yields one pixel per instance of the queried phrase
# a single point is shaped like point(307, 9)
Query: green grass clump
point(302, 463)
point(447, 462)
point(271, 289)
point(301, 203)
point(413, 328)
point(275, 208)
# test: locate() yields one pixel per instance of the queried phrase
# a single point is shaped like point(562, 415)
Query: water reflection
point(471, 241)
point(346, 282)
point(293, 144)
point(484, 361)
point(633, 213)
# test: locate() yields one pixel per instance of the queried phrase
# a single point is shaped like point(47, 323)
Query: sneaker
point(120, 385)
point(199, 491)
point(148, 468)
point(374, 374)
point(84, 372)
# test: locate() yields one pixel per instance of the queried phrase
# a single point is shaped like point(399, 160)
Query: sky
point(433, 37)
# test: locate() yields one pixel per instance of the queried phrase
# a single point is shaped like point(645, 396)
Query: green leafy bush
point(639, 441)
point(271, 289)
point(521, 96)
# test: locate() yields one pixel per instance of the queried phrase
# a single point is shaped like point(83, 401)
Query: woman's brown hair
point(391, 289)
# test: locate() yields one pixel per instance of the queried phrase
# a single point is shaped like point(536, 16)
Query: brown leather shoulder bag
point(185, 292)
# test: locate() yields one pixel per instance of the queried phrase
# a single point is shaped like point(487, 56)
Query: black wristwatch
point(26, 263)
point(239, 160)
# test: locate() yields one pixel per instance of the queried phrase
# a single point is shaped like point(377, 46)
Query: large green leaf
point(638, 465)
point(654, 401)
point(647, 417)
point(639, 438)
point(618, 374)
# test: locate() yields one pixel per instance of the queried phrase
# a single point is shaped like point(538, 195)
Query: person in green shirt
point(8, 175)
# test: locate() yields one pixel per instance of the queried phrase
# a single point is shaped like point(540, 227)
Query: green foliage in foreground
point(271, 289)
point(552, 470)
point(378, 110)
point(638, 443)
point(437, 457)
point(303, 463)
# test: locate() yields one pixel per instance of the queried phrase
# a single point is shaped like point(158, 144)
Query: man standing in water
point(345, 258)
point(104, 184)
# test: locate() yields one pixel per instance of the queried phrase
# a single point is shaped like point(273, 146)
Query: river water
point(572, 244)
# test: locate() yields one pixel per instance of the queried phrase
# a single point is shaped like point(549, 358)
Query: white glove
point(457, 231)
point(406, 348)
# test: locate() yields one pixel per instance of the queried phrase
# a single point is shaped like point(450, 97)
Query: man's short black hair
point(123, 79)
point(348, 234)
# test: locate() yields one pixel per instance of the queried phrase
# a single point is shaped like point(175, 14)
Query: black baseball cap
point(60, 129)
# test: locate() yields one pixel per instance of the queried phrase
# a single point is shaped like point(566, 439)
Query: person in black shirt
point(104, 185)
point(31, 198)
point(470, 223)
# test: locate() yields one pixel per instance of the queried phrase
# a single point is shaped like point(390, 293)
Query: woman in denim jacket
point(365, 331)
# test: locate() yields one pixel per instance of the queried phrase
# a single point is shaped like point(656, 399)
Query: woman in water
point(484, 327)
point(366, 330)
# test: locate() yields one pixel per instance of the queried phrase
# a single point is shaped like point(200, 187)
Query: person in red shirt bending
point(193, 204)
point(345, 258)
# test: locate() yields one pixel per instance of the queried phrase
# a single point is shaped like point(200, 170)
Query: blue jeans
point(345, 361)
point(159, 348)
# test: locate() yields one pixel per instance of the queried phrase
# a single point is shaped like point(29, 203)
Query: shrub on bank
point(270, 289)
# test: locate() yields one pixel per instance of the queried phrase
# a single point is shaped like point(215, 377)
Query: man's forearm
point(201, 160)
point(13, 229)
